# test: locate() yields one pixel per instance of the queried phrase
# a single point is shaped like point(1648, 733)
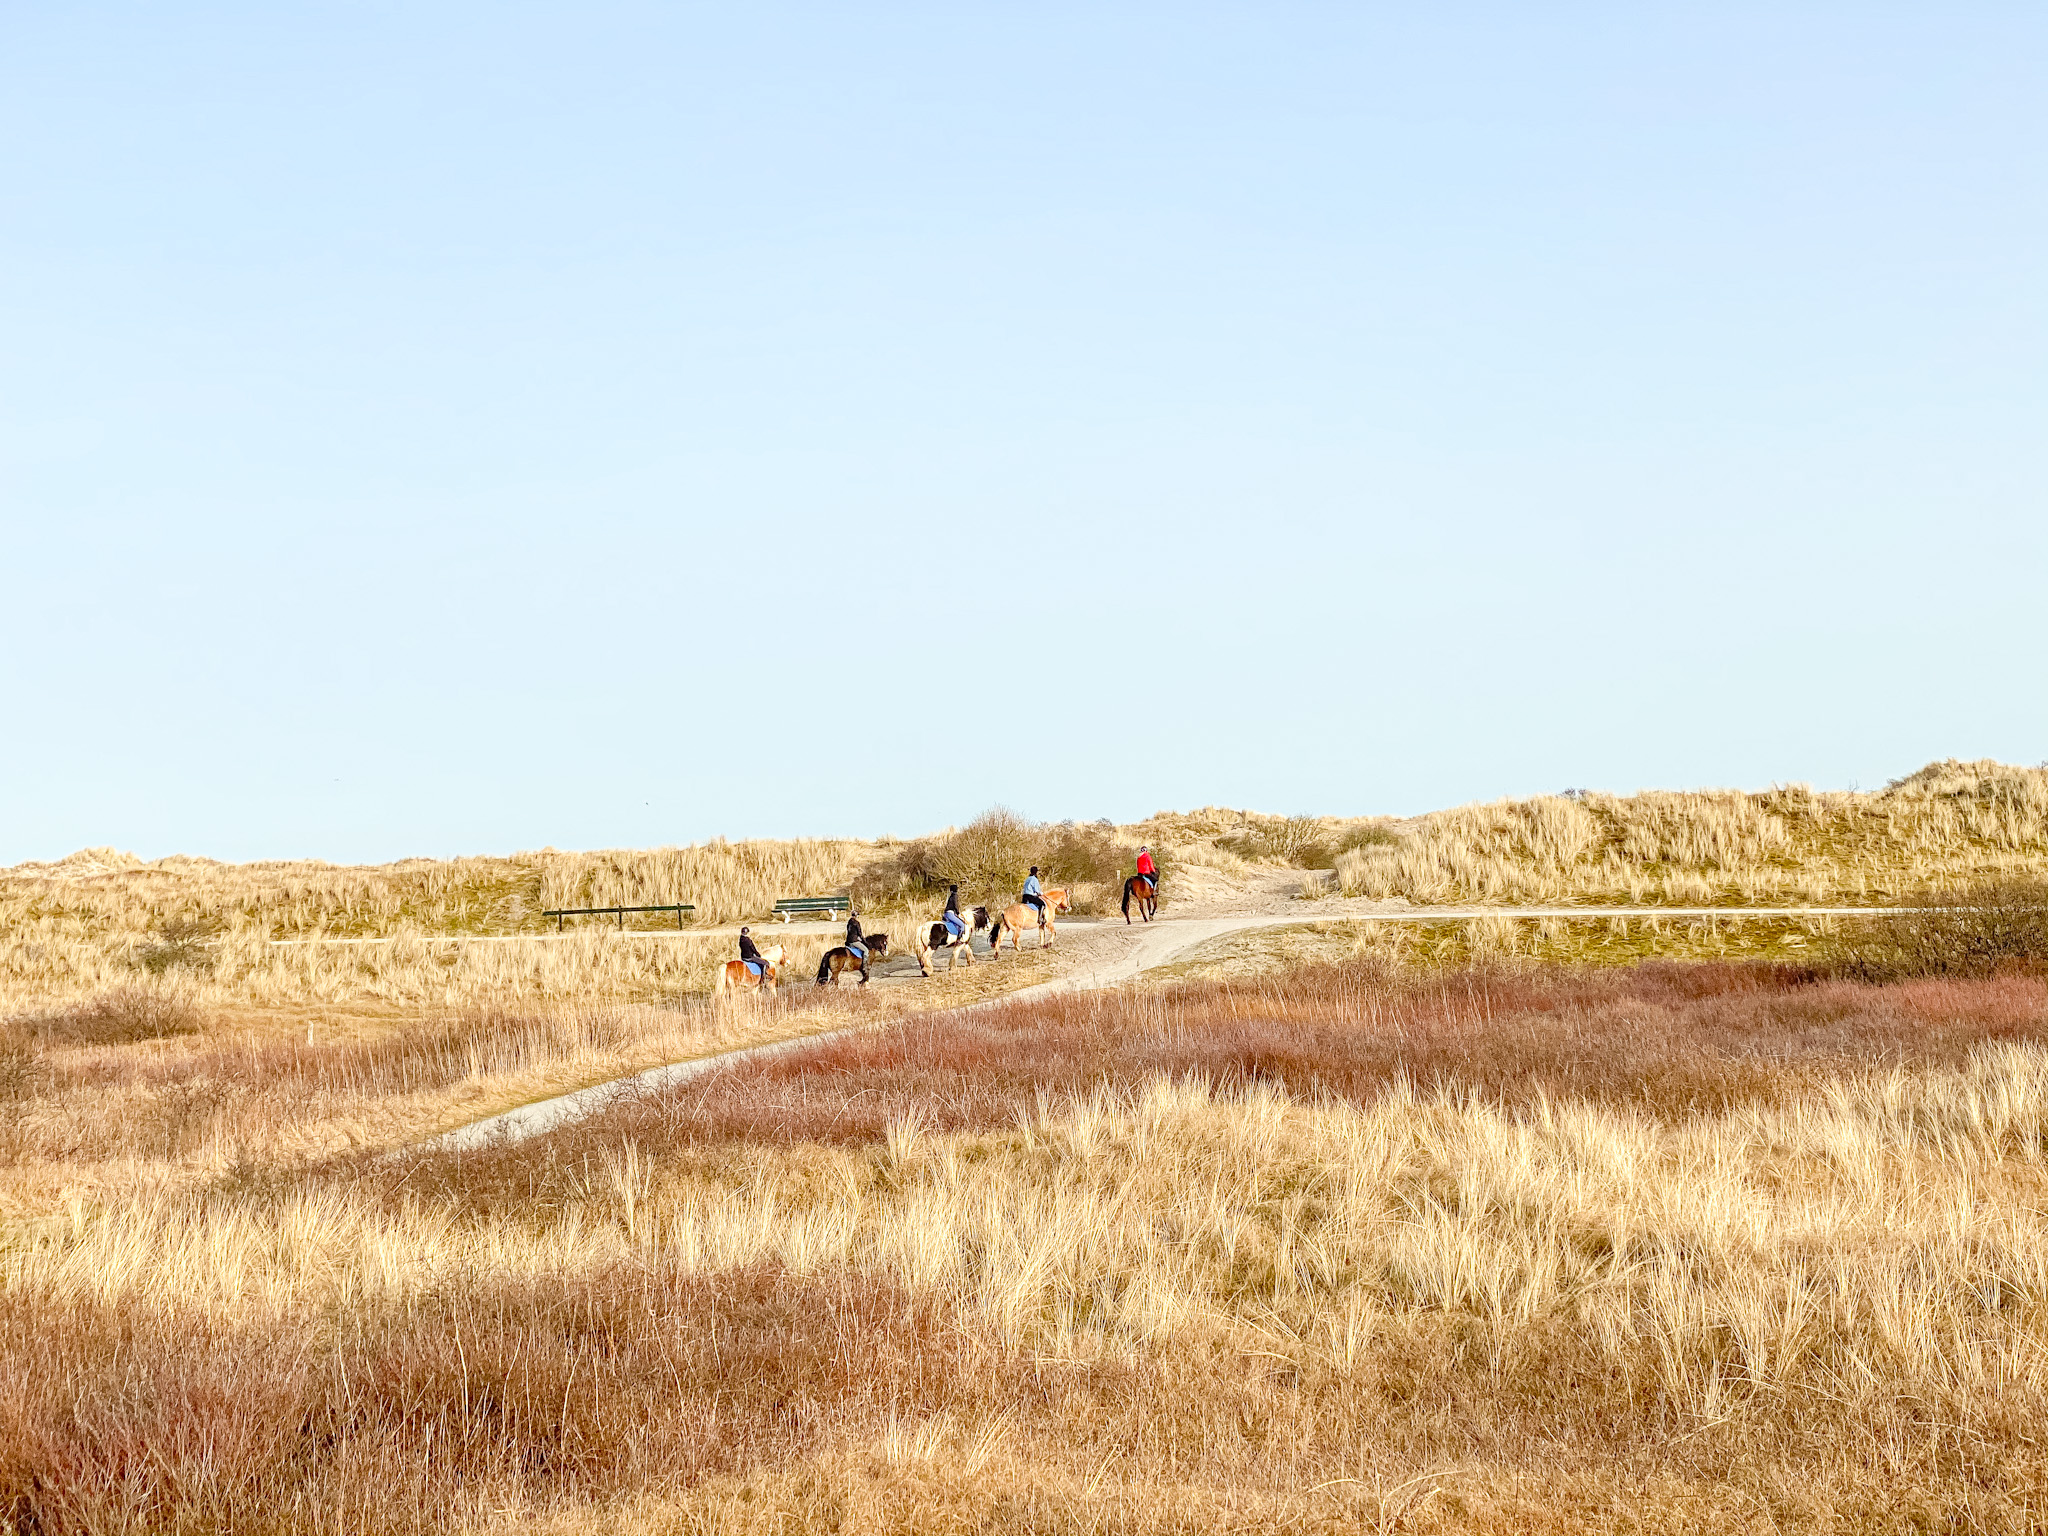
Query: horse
point(1020, 916)
point(1142, 889)
point(842, 958)
point(735, 976)
point(930, 938)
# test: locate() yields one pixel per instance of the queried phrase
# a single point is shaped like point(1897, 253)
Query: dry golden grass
point(1546, 940)
point(101, 921)
point(1949, 824)
point(94, 922)
point(1169, 1301)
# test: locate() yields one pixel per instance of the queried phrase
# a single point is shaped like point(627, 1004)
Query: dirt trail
point(1101, 952)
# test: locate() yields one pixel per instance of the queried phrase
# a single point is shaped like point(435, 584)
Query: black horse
point(842, 958)
point(1144, 891)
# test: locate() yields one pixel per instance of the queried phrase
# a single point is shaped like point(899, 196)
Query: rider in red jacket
point(1147, 868)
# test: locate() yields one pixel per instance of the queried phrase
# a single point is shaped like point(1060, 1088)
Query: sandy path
point(1104, 953)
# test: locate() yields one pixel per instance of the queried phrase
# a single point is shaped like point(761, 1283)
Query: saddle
point(955, 924)
point(755, 966)
point(858, 951)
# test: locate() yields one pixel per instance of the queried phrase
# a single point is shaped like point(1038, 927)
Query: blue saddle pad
point(858, 951)
point(752, 965)
point(955, 925)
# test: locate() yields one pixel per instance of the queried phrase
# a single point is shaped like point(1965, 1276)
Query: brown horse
point(1143, 890)
point(928, 939)
point(842, 958)
point(734, 975)
point(1020, 916)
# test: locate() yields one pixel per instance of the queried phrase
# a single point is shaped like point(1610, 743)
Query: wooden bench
point(812, 906)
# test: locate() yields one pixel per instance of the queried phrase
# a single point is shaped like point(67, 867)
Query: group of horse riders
point(956, 926)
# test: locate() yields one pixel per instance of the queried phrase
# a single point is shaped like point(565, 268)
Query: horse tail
point(995, 932)
point(718, 985)
point(824, 967)
point(1127, 899)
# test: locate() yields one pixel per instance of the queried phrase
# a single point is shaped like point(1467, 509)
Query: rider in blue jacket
point(1033, 897)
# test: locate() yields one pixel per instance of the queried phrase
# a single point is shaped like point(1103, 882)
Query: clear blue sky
point(439, 428)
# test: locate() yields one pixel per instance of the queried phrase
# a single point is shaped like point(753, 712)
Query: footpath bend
point(1097, 953)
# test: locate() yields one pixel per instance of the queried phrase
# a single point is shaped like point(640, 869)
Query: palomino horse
point(1021, 916)
point(1143, 890)
point(842, 958)
point(928, 939)
point(734, 975)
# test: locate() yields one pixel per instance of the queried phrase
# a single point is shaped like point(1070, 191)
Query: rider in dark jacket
point(749, 953)
point(953, 898)
point(853, 933)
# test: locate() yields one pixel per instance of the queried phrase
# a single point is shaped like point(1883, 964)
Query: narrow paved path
point(1151, 945)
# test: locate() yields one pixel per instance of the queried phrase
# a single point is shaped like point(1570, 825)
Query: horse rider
point(855, 939)
point(1033, 897)
point(1147, 869)
point(955, 923)
point(752, 957)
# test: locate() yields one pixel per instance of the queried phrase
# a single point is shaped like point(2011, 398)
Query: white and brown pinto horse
point(1021, 916)
point(734, 976)
point(933, 938)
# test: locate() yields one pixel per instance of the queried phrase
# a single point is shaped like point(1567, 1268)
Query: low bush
point(120, 1017)
point(179, 941)
point(22, 1070)
point(1978, 931)
point(989, 858)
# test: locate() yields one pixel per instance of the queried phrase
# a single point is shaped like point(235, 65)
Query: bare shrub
point(991, 854)
point(22, 1070)
point(1083, 855)
point(180, 1118)
point(989, 858)
point(1974, 932)
point(120, 1017)
point(179, 941)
